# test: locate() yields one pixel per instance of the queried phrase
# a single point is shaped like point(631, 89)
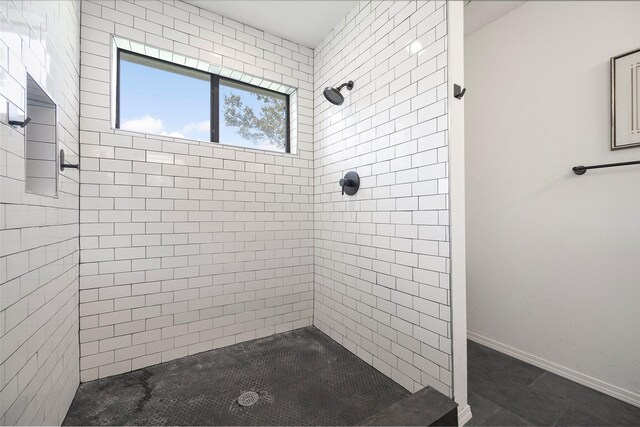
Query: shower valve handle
point(346, 183)
point(350, 183)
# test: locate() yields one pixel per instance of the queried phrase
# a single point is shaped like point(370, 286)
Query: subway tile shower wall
point(39, 350)
point(382, 256)
point(188, 246)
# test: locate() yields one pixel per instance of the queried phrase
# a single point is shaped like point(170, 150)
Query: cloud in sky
point(148, 124)
point(152, 125)
point(198, 126)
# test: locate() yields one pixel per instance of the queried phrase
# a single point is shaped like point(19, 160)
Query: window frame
point(214, 95)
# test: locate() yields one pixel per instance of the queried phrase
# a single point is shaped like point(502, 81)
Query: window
point(253, 117)
point(41, 142)
point(163, 98)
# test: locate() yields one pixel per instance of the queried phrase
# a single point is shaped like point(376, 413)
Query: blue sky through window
point(161, 102)
point(164, 99)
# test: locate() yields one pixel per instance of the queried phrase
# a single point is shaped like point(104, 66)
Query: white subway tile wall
point(188, 246)
point(39, 350)
point(382, 256)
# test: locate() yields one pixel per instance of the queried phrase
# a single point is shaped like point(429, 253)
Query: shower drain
point(248, 398)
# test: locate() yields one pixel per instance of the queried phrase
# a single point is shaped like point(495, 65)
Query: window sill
point(118, 131)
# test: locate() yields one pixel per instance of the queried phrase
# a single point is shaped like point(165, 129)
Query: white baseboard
point(464, 415)
point(580, 378)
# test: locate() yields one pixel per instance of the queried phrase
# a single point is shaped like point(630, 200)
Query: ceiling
point(479, 13)
point(303, 22)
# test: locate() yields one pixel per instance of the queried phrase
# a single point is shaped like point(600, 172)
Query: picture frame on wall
point(625, 100)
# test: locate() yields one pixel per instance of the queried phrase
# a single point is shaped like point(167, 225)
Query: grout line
point(494, 412)
point(562, 415)
point(536, 380)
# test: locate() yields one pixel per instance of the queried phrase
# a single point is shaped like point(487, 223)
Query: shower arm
point(348, 85)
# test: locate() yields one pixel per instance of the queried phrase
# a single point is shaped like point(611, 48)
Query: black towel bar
point(580, 170)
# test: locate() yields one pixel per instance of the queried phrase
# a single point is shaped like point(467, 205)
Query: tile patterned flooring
point(302, 377)
point(504, 391)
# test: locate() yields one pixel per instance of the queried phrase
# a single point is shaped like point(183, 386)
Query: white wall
point(382, 256)
point(188, 246)
point(553, 265)
point(38, 235)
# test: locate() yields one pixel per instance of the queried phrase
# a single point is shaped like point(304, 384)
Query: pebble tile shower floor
point(302, 377)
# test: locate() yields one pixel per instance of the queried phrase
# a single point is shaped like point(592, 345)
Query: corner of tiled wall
point(382, 256)
point(39, 349)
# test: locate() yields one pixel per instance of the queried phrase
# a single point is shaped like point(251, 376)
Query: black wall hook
point(350, 183)
point(458, 92)
point(64, 165)
point(22, 124)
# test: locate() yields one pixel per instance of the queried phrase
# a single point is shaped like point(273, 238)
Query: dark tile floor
point(504, 391)
point(302, 377)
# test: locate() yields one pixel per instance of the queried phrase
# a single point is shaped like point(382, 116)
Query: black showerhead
point(334, 96)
